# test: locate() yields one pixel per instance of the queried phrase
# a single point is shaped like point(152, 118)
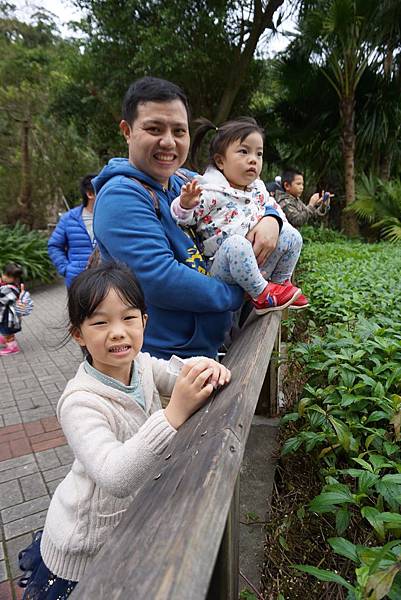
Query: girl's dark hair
point(14, 270)
point(91, 287)
point(226, 134)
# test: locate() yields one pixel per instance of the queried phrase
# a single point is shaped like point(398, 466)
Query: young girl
point(15, 302)
point(111, 415)
point(226, 203)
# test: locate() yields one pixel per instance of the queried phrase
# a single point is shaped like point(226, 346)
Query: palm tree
point(341, 35)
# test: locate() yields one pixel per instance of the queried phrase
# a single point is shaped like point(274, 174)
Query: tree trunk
point(24, 210)
point(347, 105)
point(262, 20)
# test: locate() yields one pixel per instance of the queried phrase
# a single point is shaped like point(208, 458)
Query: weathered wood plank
point(167, 543)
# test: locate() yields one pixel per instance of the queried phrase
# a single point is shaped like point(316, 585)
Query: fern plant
point(29, 249)
point(378, 203)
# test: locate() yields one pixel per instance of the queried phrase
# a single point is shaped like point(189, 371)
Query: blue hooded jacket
point(189, 312)
point(70, 246)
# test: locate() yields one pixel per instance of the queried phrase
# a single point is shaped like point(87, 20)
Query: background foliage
point(60, 98)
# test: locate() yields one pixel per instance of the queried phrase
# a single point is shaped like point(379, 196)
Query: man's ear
point(125, 129)
point(218, 159)
point(77, 336)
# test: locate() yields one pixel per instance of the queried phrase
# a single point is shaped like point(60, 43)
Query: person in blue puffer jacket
point(72, 241)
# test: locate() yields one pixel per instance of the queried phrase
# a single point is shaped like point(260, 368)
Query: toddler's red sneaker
point(275, 297)
point(301, 302)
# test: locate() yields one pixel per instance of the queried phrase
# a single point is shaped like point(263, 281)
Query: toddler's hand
point(190, 194)
point(193, 387)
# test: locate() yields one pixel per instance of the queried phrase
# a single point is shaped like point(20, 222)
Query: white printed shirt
point(224, 211)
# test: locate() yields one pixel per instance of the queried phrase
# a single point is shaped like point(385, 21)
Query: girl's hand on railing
point(193, 387)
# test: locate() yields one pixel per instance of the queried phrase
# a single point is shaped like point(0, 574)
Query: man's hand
point(263, 238)
point(190, 194)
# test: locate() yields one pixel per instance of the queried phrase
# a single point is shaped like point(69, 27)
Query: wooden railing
point(179, 538)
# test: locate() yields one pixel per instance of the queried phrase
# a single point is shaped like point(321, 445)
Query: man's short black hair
point(150, 89)
point(86, 186)
point(289, 174)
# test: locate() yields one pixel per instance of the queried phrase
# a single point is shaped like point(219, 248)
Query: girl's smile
point(113, 336)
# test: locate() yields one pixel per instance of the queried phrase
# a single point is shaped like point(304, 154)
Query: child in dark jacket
point(15, 302)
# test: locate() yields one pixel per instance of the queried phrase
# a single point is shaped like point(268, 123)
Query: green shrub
point(29, 249)
point(321, 234)
point(349, 414)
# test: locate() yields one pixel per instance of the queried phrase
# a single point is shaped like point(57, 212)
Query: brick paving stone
point(3, 571)
point(5, 591)
point(1, 552)
point(37, 413)
point(29, 523)
point(14, 546)
point(5, 451)
point(52, 485)
point(25, 509)
point(53, 474)
point(20, 447)
point(50, 424)
point(16, 462)
point(12, 419)
point(18, 472)
point(33, 428)
point(45, 437)
point(10, 494)
point(53, 443)
point(32, 486)
point(65, 455)
point(47, 459)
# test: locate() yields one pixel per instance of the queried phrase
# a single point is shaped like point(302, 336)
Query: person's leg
point(11, 346)
point(281, 263)
point(235, 262)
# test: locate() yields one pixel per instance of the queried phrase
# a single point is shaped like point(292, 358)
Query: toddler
point(15, 303)
point(112, 418)
point(226, 203)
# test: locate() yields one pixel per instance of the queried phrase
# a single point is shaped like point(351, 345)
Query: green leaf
point(326, 501)
point(367, 480)
point(373, 516)
point(289, 417)
point(380, 583)
point(342, 431)
point(363, 463)
point(393, 519)
point(291, 445)
point(342, 520)
point(344, 547)
point(324, 575)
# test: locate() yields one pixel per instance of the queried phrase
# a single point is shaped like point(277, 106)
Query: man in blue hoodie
point(189, 312)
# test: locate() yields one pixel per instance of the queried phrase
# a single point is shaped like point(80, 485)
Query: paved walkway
point(34, 456)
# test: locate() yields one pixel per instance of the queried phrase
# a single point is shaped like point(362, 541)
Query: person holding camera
point(289, 199)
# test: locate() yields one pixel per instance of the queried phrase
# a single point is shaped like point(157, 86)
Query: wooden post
point(268, 398)
point(224, 582)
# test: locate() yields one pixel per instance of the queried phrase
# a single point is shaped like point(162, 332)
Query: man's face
point(296, 187)
point(158, 138)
